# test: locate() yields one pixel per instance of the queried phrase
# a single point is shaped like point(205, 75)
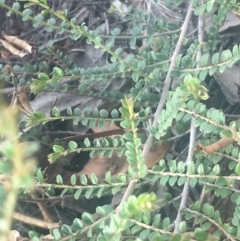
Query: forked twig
point(162, 101)
point(193, 133)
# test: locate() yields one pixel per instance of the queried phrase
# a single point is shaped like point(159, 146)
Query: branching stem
point(162, 101)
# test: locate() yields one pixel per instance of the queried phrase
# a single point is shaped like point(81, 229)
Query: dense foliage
point(131, 148)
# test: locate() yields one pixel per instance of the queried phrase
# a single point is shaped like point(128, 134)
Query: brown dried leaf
point(224, 141)
point(7, 69)
point(18, 42)
point(115, 164)
point(14, 235)
point(5, 55)
point(12, 49)
point(100, 166)
point(156, 153)
point(23, 101)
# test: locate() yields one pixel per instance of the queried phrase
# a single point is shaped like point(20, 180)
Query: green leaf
point(172, 180)
point(177, 237)
point(157, 221)
point(215, 58)
point(156, 237)
point(40, 176)
point(57, 72)
point(33, 234)
point(226, 133)
point(115, 190)
point(84, 122)
point(136, 30)
point(199, 10)
point(87, 218)
point(53, 157)
point(83, 179)
point(166, 223)
point(73, 179)
point(193, 182)
point(69, 111)
point(94, 179)
point(110, 43)
point(152, 130)
point(124, 111)
point(191, 168)
point(77, 112)
point(210, 5)
point(203, 74)
point(207, 209)
point(126, 124)
point(118, 51)
point(144, 234)
point(135, 76)
point(133, 42)
point(66, 229)
point(181, 167)
point(72, 145)
point(164, 180)
point(56, 233)
point(200, 169)
point(16, 6)
point(78, 193)
point(100, 237)
point(182, 227)
point(181, 181)
point(103, 113)
point(59, 179)
point(87, 142)
point(212, 70)
point(135, 229)
point(78, 223)
point(123, 178)
point(114, 114)
point(200, 234)
point(237, 169)
point(216, 169)
point(116, 31)
point(204, 60)
point(222, 68)
point(100, 192)
point(58, 149)
point(226, 55)
point(89, 192)
point(55, 111)
point(108, 177)
point(221, 181)
point(43, 77)
point(101, 211)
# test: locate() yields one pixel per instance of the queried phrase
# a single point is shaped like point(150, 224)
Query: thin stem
point(193, 134)
point(229, 237)
point(161, 104)
point(208, 177)
point(186, 185)
point(141, 36)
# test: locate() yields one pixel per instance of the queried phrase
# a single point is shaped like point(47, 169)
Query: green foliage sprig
point(16, 168)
